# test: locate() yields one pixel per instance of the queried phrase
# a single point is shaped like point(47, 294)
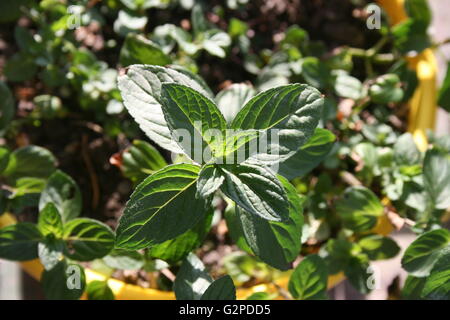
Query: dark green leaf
point(410, 35)
point(141, 91)
point(50, 252)
point(124, 260)
point(20, 241)
point(192, 279)
point(287, 115)
point(257, 190)
point(63, 192)
point(444, 92)
point(87, 239)
point(99, 290)
point(139, 50)
point(437, 285)
point(65, 281)
point(387, 88)
point(357, 272)
point(231, 100)
point(436, 178)
point(7, 108)
point(161, 208)
point(315, 72)
point(405, 151)
point(347, 86)
point(276, 243)
point(419, 11)
point(378, 247)
point(141, 160)
point(421, 255)
point(359, 209)
point(50, 222)
point(178, 248)
point(309, 279)
point(413, 287)
point(209, 181)
point(220, 289)
point(30, 161)
point(189, 112)
point(310, 155)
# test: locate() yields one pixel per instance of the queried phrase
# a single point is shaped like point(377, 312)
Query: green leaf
point(359, 209)
point(192, 279)
point(437, 285)
point(412, 290)
point(235, 228)
point(262, 296)
point(141, 91)
point(50, 252)
point(189, 112)
point(309, 156)
point(347, 86)
point(378, 247)
point(20, 67)
point(65, 281)
point(7, 108)
point(4, 159)
point(124, 260)
point(231, 100)
point(30, 161)
point(419, 11)
point(50, 222)
point(99, 290)
point(141, 160)
point(357, 272)
point(87, 239)
point(209, 180)
point(220, 289)
point(63, 192)
point(420, 257)
point(309, 279)
point(291, 112)
point(436, 178)
point(410, 36)
point(161, 208)
point(405, 151)
point(387, 88)
point(444, 92)
point(257, 190)
point(20, 241)
point(199, 23)
point(139, 50)
point(215, 42)
point(276, 243)
point(178, 248)
point(315, 72)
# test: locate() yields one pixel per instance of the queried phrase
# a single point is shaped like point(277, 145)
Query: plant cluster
point(301, 172)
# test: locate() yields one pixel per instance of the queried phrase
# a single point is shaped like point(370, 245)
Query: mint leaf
point(189, 112)
point(161, 208)
point(220, 289)
point(141, 91)
point(63, 192)
point(293, 110)
point(50, 222)
point(309, 279)
point(276, 243)
point(192, 279)
point(420, 257)
point(87, 239)
point(20, 241)
point(257, 190)
point(359, 209)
